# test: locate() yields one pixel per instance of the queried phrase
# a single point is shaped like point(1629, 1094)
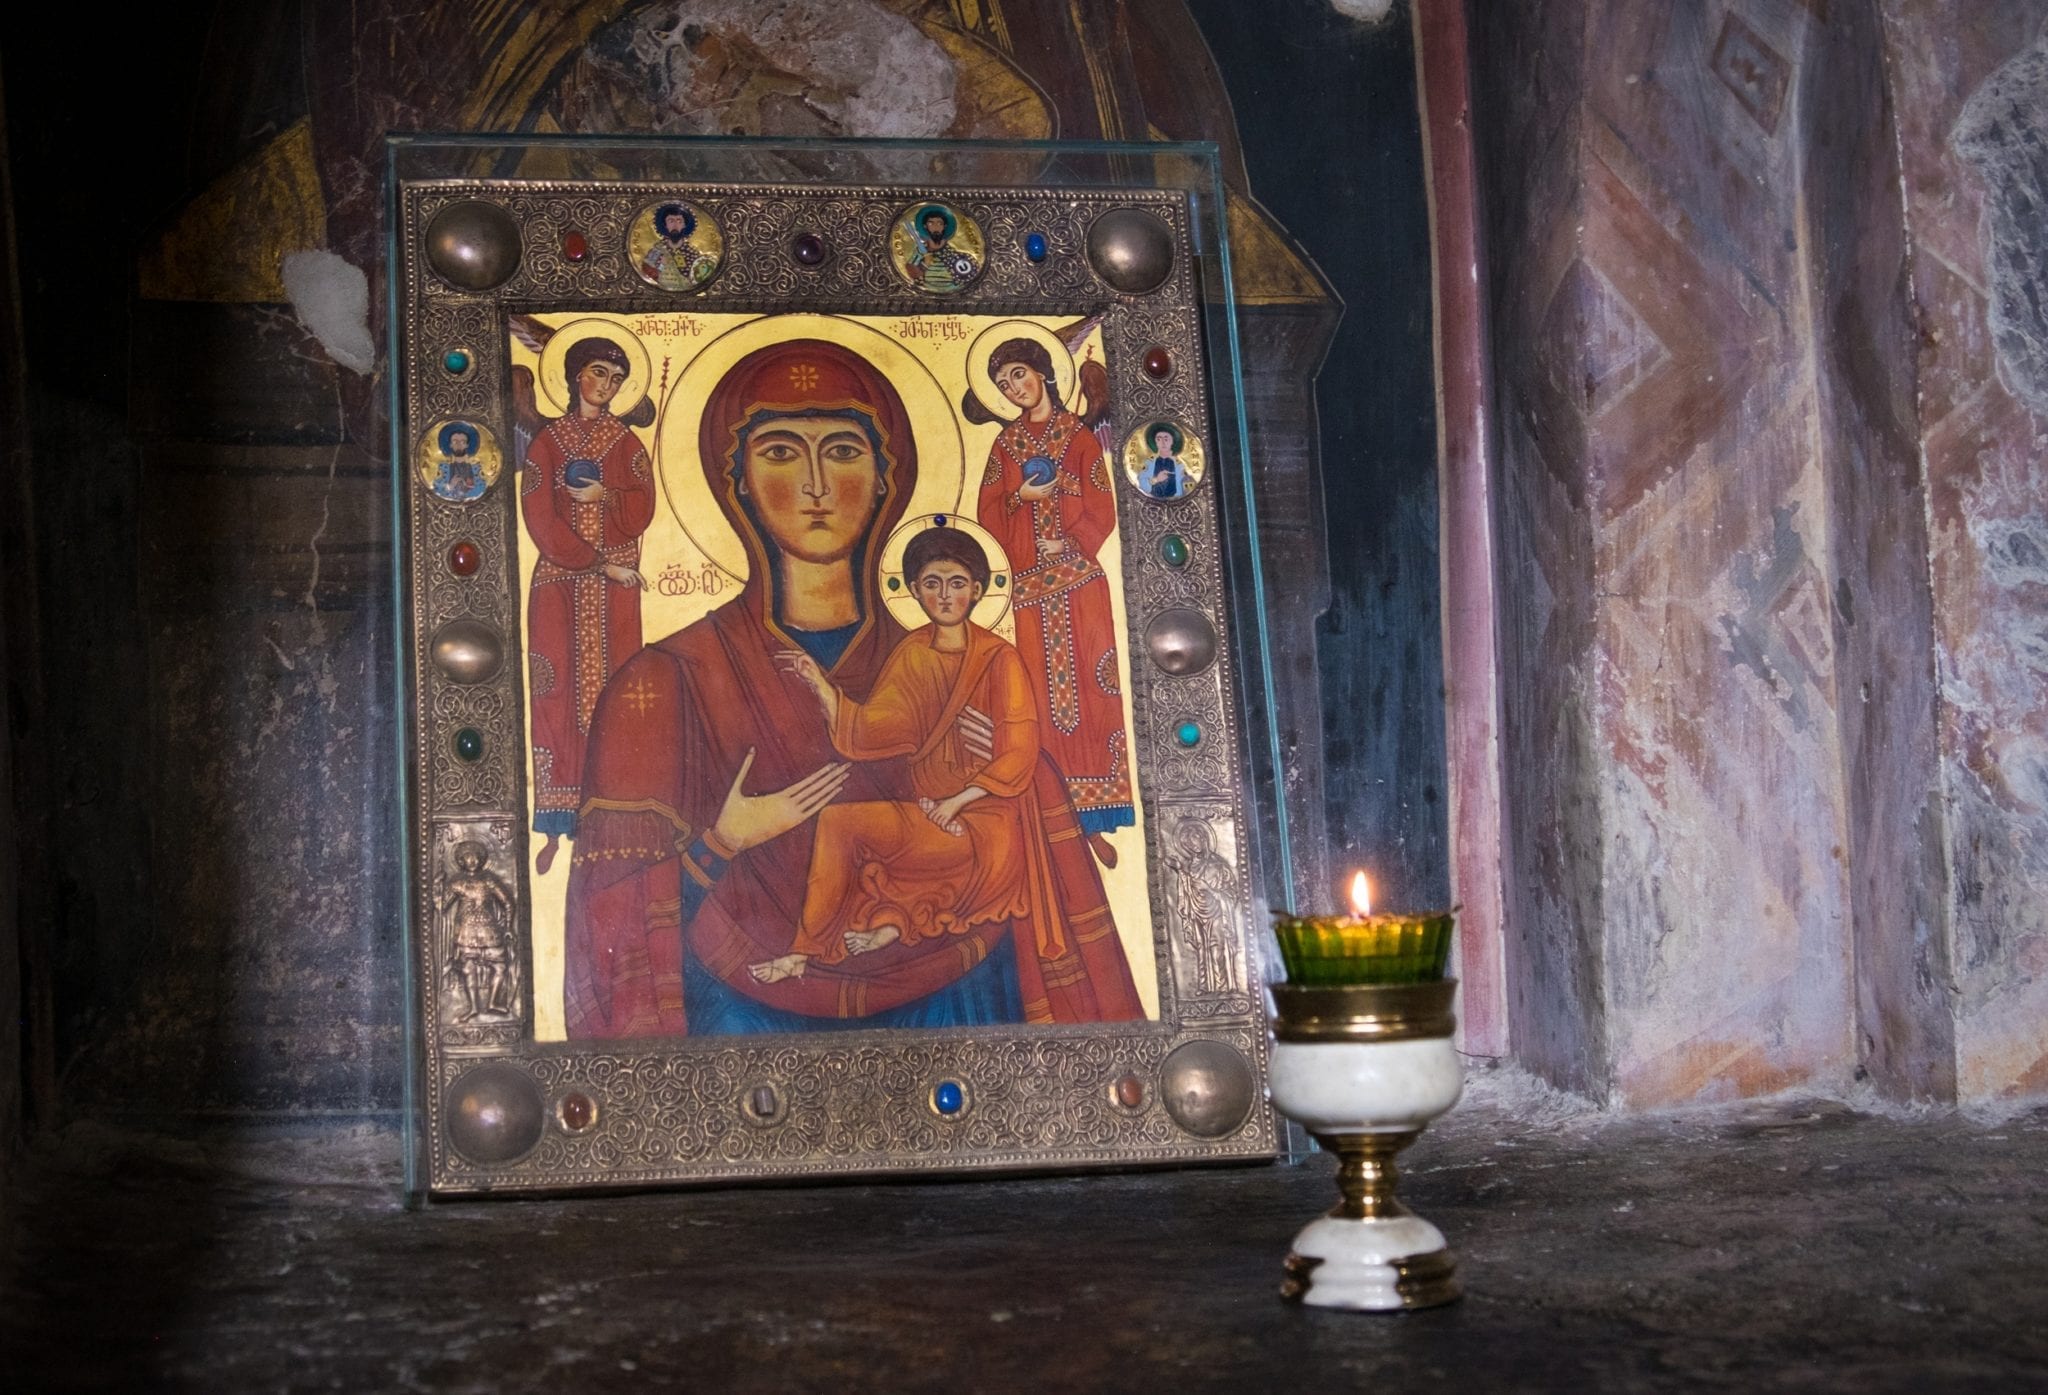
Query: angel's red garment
point(581, 625)
point(1060, 597)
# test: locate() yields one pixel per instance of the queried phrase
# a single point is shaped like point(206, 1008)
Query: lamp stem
point(1366, 1174)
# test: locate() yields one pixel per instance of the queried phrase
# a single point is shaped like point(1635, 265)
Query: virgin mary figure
point(708, 761)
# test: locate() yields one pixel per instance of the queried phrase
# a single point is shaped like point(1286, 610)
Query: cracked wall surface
point(1674, 778)
point(1776, 738)
point(1973, 131)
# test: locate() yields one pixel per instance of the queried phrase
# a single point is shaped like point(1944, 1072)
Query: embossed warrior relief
point(481, 988)
point(826, 741)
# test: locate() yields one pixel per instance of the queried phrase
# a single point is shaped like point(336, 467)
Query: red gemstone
point(579, 1112)
point(464, 558)
point(1158, 362)
point(1130, 1092)
point(575, 246)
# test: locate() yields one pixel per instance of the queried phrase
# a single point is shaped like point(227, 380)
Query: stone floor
point(1789, 1246)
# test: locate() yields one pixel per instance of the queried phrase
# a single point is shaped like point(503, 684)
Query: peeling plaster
point(332, 300)
point(2003, 134)
point(1365, 11)
point(801, 67)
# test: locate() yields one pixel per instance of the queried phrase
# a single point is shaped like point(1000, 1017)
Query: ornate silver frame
point(494, 1110)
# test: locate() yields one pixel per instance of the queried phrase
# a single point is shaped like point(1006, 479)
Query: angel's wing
point(1076, 334)
point(1094, 408)
point(531, 332)
point(526, 418)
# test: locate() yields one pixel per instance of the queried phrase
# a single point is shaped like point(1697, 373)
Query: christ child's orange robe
point(885, 863)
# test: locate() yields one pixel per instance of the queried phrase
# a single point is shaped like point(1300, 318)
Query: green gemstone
point(456, 361)
point(895, 583)
point(1189, 734)
point(1173, 550)
point(469, 744)
point(1001, 581)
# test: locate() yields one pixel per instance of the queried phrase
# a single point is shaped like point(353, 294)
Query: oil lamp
point(1362, 1059)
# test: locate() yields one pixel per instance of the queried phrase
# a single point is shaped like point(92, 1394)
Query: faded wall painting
point(841, 593)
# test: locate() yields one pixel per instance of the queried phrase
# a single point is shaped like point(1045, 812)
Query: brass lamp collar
point(1364, 1012)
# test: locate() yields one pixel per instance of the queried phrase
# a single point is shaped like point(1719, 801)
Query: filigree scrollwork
point(857, 1108)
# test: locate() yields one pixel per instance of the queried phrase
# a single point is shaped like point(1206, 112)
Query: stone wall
point(1771, 540)
point(1971, 91)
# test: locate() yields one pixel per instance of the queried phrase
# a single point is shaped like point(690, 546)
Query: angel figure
point(1047, 497)
point(586, 495)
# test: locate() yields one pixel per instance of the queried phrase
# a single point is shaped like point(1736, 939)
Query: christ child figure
point(963, 853)
point(478, 912)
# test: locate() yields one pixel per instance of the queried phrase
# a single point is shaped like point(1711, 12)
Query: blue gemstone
point(948, 1097)
point(455, 361)
point(1188, 734)
point(1035, 246)
point(938, 520)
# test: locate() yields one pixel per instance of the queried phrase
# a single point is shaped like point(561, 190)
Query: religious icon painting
point(936, 247)
point(458, 460)
point(674, 245)
point(798, 788)
point(1163, 460)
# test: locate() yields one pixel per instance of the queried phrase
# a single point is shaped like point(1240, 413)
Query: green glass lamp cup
point(1364, 949)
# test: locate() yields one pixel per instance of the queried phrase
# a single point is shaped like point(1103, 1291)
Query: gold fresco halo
point(995, 601)
point(551, 377)
point(1138, 449)
point(982, 384)
point(934, 425)
point(427, 454)
point(708, 238)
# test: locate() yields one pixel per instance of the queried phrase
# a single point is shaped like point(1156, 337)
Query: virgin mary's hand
point(748, 820)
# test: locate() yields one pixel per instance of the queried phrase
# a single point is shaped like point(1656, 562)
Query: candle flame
point(1361, 894)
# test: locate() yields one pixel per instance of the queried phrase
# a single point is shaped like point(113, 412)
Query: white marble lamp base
point(1365, 1070)
point(1375, 1265)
